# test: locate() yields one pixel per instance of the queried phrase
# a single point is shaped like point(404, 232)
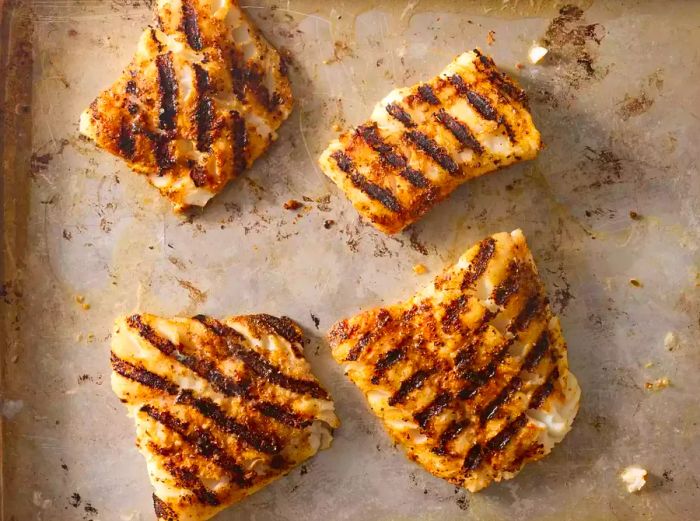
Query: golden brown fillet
point(200, 101)
point(471, 374)
point(222, 408)
point(424, 141)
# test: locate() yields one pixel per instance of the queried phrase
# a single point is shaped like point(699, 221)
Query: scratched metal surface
point(617, 102)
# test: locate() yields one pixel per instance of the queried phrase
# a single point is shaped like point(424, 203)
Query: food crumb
point(536, 53)
point(519, 66)
point(80, 299)
point(636, 283)
point(658, 384)
point(671, 341)
point(648, 365)
point(419, 269)
point(634, 477)
point(328, 223)
point(336, 127)
point(635, 216)
point(491, 37)
point(293, 204)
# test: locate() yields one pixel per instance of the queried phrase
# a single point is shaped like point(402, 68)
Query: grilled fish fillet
point(222, 408)
point(422, 142)
point(200, 101)
point(471, 374)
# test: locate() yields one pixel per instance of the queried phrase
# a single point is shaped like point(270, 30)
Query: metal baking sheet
point(617, 101)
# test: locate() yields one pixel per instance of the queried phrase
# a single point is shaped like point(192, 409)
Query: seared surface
point(471, 374)
point(221, 407)
point(200, 101)
point(424, 141)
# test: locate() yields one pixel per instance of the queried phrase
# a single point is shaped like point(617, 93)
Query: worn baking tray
point(613, 197)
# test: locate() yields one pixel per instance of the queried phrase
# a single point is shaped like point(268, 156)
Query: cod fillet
point(200, 101)
point(422, 142)
point(471, 374)
point(222, 408)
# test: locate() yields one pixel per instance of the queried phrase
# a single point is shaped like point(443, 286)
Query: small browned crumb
point(519, 66)
point(91, 337)
point(636, 283)
point(657, 385)
point(648, 365)
point(328, 223)
point(293, 204)
point(86, 306)
point(79, 299)
point(419, 269)
point(491, 37)
point(635, 216)
point(336, 127)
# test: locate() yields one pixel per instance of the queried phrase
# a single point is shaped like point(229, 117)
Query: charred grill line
point(282, 326)
point(534, 305)
point(370, 135)
point(459, 130)
point(433, 150)
point(248, 78)
point(435, 407)
point(502, 82)
point(201, 441)
point(450, 320)
point(386, 361)
point(258, 364)
point(479, 262)
point(204, 113)
point(187, 479)
point(162, 510)
point(475, 379)
point(383, 318)
point(536, 352)
point(161, 149)
point(204, 406)
point(397, 112)
point(426, 94)
point(126, 141)
point(413, 382)
point(239, 141)
point(167, 87)
point(544, 390)
point(373, 191)
point(190, 26)
point(501, 440)
point(280, 414)
point(509, 286)
point(202, 367)
point(453, 430)
point(492, 408)
point(474, 458)
point(209, 409)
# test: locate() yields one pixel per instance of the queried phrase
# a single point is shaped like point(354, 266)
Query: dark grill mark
point(501, 440)
point(282, 326)
point(480, 103)
point(126, 141)
point(204, 113)
point(187, 479)
point(280, 414)
point(199, 176)
point(209, 409)
point(544, 390)
point(533, 307)
point(492, 408)
point(373, 191)
point(433, 150)
point(473, 459)
point(453, 430)
point(162, 510)
point(435, 407)
point(450, 320)
point(413, 382)
point(509, 286)
point(204, 368)
point(386, 361)
point(426, 94)
point(475, 379)
point(167, 86)
point(536, 352)
point(200, 440)
point(464, 357)
point(459, 130)
point(499, 79)
point(142, 376)
point(479, 262)
point(161, 149)
point(397, 112)
point(249, 78)
point(239, 142)
point(258, 364)
point(371, 136)
point(383, 318)
point(190, 25)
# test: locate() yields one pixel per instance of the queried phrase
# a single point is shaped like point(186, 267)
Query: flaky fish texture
point(422, 142)
point(222, 408)
point(200, 101)
point(471, 374)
